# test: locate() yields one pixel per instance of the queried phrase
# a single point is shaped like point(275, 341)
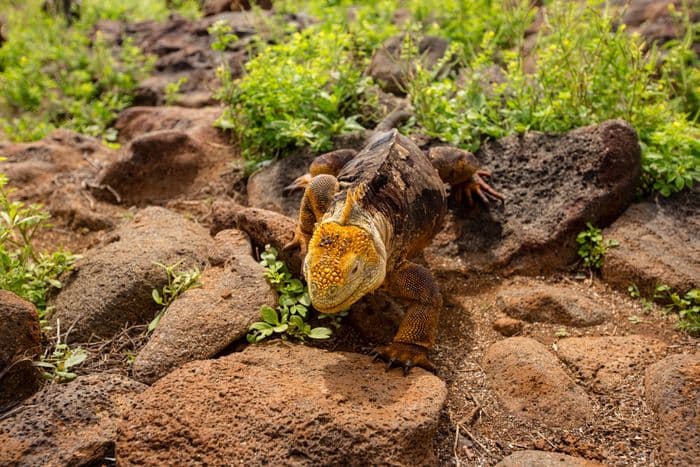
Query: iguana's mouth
point(331, 306)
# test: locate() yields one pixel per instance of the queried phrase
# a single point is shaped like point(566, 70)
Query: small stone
point(531, 458)
point(672, 388)
point(552, 304)
point(508, 326)
point(610, 362)
point(532, 385)
point(20, 342)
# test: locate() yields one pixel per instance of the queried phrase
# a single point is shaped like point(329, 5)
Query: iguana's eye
point(355, 269)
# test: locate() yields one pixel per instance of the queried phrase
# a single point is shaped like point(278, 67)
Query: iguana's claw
point(404, 355)
point(299, 184)
point(477, 185)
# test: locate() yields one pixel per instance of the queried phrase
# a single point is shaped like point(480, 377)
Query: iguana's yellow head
point(342, 265)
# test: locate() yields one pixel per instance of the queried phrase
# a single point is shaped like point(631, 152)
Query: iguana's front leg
point(318, 197)
point(414, 285)
point(461, 170)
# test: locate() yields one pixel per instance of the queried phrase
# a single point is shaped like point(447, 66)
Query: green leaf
point(260, 326)
point(77, 357)
point(155, 321)
point(269, 315)
point(156, 297)
point(320, 333)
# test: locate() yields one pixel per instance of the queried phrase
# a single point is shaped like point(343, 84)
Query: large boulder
point(112, 284)
point(659, 244)
point(67, 424)
point(158, 166)
point(553, 184)
point(266, 187)
point(549, 303)
point(672, 390)
point(610, 363)
point(284, 404)
point(532, 385)
point(137, 121)
point(20, 342)
point(204, 321)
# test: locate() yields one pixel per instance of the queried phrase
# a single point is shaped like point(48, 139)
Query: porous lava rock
point(532, 385)
point(547, 303)
point(610, 362)
point(659, 244)
point(531, 458)
point(158, 166)
point(553, 184)
point(266, 187)
point(270, 228)
point(391, 70)
point(284, 404)
point(672, 390)
point(20, 342)
point(203, 321)
point(112, 284)
point(67, 424)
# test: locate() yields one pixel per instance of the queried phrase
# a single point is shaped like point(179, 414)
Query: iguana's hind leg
point(318, 196)
point(461, 170)
point(329, 163)
point(414, 285)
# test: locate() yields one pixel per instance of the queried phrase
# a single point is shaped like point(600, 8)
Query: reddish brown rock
point(532, 385)
point(158, 166)
point(672, 388)
point(508, 326)
point(544, 459)
point(610, 363)
point(270, 228)
point(659, 244)
point(20, 342)
point(204, 321)
point(547, 303)
point(284, 404)
point(67, 424)
point(137, 121)
point(112, 284)
point(266, 186)
point(553, 185)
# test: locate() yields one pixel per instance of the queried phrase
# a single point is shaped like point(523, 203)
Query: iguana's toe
point(405, 356)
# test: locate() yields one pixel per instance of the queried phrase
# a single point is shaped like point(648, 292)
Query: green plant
point(54, 75)
point(592, 247)
point(585, 71)
point(23, 270)
point(300, 92)
point(686, 305)
point(178, 283)
point(172, 90)
point(56, 365)
point(291, 318)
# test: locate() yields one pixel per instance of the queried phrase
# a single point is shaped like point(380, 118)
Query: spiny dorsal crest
point(352, 199)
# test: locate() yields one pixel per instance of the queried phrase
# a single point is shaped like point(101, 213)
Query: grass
point(54, 75)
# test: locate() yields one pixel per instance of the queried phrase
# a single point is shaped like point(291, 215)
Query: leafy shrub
point(53, 75)
point(686, 305)
point(300, 92)
point(592, 247)
point(178, 283)
point(24, 271)
point(587, 71)
point(291, 317)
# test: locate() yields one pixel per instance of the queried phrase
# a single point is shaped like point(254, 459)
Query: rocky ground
point(537, 363)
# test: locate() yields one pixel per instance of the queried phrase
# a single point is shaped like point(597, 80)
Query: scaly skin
point(364, 216)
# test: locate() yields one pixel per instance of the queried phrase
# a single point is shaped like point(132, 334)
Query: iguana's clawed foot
point(299, 184)
point(405, 356)
point(477, 185)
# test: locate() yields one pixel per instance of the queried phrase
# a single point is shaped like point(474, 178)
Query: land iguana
point(365, 214)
